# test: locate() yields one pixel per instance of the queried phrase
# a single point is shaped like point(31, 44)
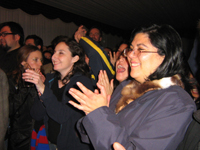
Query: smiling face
point(143, 64)
point(95, 34)
point(35, 60)
point(62, 59)
point(122, 69)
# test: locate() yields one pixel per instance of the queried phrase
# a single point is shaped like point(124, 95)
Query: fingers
point(85, 90)
point(79, 96)
point(110, 54)
point(112, 83)
point(78, 106)
point(118, 146)
point(102, 89)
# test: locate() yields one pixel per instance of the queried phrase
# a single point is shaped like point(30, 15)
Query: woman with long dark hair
point(21, 98)
point(52, 106)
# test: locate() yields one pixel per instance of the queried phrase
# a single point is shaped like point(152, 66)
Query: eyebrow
point(140, 45)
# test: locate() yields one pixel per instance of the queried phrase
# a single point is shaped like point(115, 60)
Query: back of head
point(168, 43)
point(37, 40)
point(15, 28)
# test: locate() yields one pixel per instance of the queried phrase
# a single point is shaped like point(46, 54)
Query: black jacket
point(62, 112)
point(21, 123)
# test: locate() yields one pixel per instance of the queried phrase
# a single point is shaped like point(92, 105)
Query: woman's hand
point(113, 58)
point(89, 100)
point(104, 81)
point(118, 146)
point(35, 78)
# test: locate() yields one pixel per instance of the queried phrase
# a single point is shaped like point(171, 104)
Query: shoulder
point(174, 95)
point(50, 78)
point(79, 77)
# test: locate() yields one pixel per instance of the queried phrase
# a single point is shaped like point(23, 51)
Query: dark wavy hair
point(169, 44)
point(80, 65)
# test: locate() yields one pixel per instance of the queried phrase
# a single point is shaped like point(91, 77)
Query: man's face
point(95, 35)
point(8, 41)
point(30, 42)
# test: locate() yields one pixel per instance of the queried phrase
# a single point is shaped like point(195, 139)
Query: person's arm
point(17, 96)
point(98, 60)
point(161, 127)
point(59, 111)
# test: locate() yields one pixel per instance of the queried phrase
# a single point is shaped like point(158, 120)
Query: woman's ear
point(75, 58)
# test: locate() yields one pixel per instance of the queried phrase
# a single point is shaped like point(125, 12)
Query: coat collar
point(134, 89)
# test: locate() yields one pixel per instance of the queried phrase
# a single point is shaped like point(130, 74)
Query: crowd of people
point(76, 94)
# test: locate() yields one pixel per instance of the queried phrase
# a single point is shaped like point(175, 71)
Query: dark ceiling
point(128, 14)
point(116, 16)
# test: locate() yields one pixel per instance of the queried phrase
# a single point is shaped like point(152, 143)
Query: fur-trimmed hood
point(135, 89)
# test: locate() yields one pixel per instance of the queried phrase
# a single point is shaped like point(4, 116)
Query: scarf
point(134, 89)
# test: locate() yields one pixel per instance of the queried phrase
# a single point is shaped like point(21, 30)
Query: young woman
point(21, 98)
point(52, 105)
point(155, 110)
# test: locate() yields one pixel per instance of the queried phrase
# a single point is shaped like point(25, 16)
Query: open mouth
point(120, 69)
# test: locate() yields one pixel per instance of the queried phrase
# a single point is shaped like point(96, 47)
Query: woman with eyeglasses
point(154, 110)
point(122, 78)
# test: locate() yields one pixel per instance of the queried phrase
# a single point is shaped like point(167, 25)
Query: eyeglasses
point(5, 34)
point(127, 51)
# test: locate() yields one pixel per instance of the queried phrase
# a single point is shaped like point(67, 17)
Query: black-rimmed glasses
point(136, 52)
point(5, 34)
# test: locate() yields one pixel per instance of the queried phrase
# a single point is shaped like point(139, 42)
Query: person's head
point(69, 58)
point(30, 54)
point(155, 52)
point(121, 48)
point(95, 33)
point(122, 68)
point(46, 57)
point(34, 40)
point(11, 36)
point(47, 54)
point(55, 41)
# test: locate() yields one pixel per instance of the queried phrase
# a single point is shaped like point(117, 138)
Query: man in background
point(11, 39)
point(34, 40)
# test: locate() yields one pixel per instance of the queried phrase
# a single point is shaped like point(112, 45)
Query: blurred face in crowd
point(30, 42)
point(122, 68)
point(143, 64)
point(47, 55)
point(95, 34)
point(62, 59)
point(8, 40)
point(34, 60)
